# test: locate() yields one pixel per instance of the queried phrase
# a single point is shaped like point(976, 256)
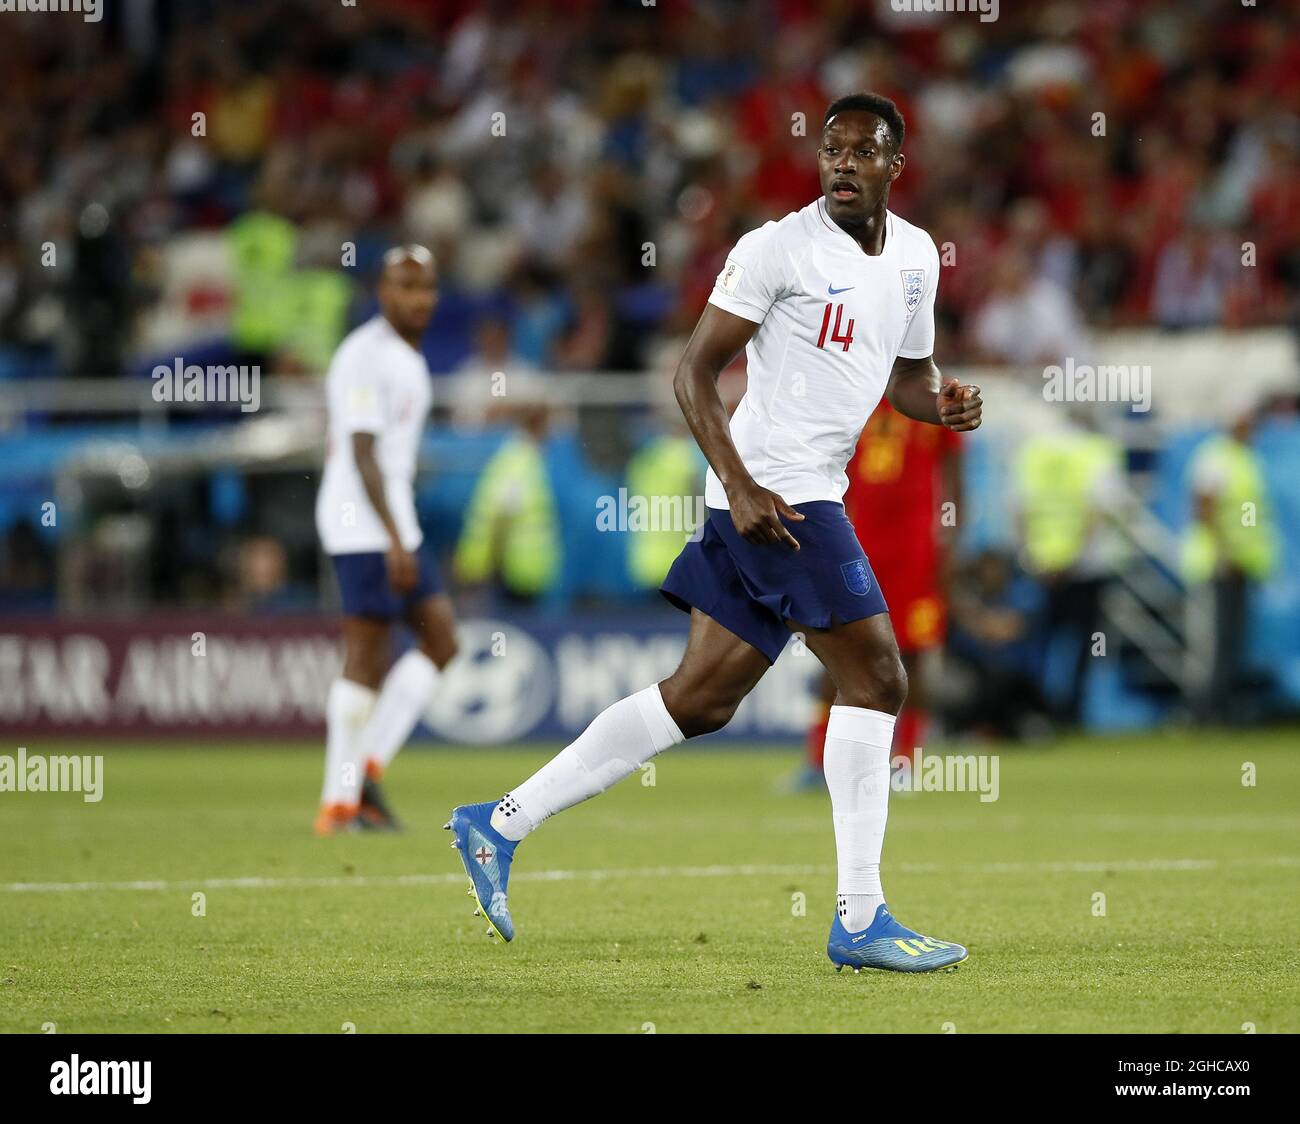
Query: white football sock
point(620, 739)
point(347, 706)
point(406, 691)
point(857, 774)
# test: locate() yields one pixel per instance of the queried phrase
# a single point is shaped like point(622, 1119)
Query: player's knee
point(705, 719)
point(896, 688)
point(698, 710)
point(711, 715)
point(364, 667)
point(441, 650)
point(881, 686)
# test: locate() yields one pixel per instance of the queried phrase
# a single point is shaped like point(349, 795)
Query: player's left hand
point(960, 407)
point(403, 569)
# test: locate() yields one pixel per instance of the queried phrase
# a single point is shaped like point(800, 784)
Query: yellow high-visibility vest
point(666, 473)
point(1240, 514)
point(320, 301)
point(1056, 475)
point(511, 528)
point(264, 246)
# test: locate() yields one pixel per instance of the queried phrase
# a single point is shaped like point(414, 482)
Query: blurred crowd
point(582, 168)
point(217, 179)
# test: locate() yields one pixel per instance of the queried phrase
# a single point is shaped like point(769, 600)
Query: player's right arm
point(717, 339)
point(402, 570)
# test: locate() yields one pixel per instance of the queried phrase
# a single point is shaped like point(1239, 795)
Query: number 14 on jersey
point(835, 337)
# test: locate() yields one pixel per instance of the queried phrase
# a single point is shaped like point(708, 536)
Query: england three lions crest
point(913, 287)
point(857, 576)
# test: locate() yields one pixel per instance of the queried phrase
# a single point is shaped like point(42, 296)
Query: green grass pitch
point(667, 907)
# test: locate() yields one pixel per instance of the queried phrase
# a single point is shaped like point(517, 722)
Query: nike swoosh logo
point(832, 290)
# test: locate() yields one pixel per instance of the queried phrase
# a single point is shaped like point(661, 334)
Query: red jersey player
point(900, 477)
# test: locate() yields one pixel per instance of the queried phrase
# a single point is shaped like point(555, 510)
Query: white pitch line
point(738, 871)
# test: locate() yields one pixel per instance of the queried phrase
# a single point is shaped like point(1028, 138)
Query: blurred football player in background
point(379, 395)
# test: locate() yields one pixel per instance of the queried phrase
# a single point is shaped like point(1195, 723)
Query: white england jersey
point(377, 383)
point(832, 320)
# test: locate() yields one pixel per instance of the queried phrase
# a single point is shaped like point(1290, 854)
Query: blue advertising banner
point(547, 678)
point(516, 678)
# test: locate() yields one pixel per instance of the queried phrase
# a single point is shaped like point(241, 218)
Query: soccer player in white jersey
point(379, 394)
point(835, 307)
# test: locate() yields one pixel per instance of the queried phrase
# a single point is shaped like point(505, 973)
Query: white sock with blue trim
point(857, 774)
point(620, 739)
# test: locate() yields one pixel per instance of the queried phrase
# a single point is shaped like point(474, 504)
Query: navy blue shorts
point(364, 588)
point(753, 590)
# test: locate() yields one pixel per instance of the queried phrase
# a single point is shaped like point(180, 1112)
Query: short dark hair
point(878, 104)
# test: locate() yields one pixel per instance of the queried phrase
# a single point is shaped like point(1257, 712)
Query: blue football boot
point(887, 944)
point(487, 855)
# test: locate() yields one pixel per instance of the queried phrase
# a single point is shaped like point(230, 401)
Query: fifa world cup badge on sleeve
point(730, 276)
